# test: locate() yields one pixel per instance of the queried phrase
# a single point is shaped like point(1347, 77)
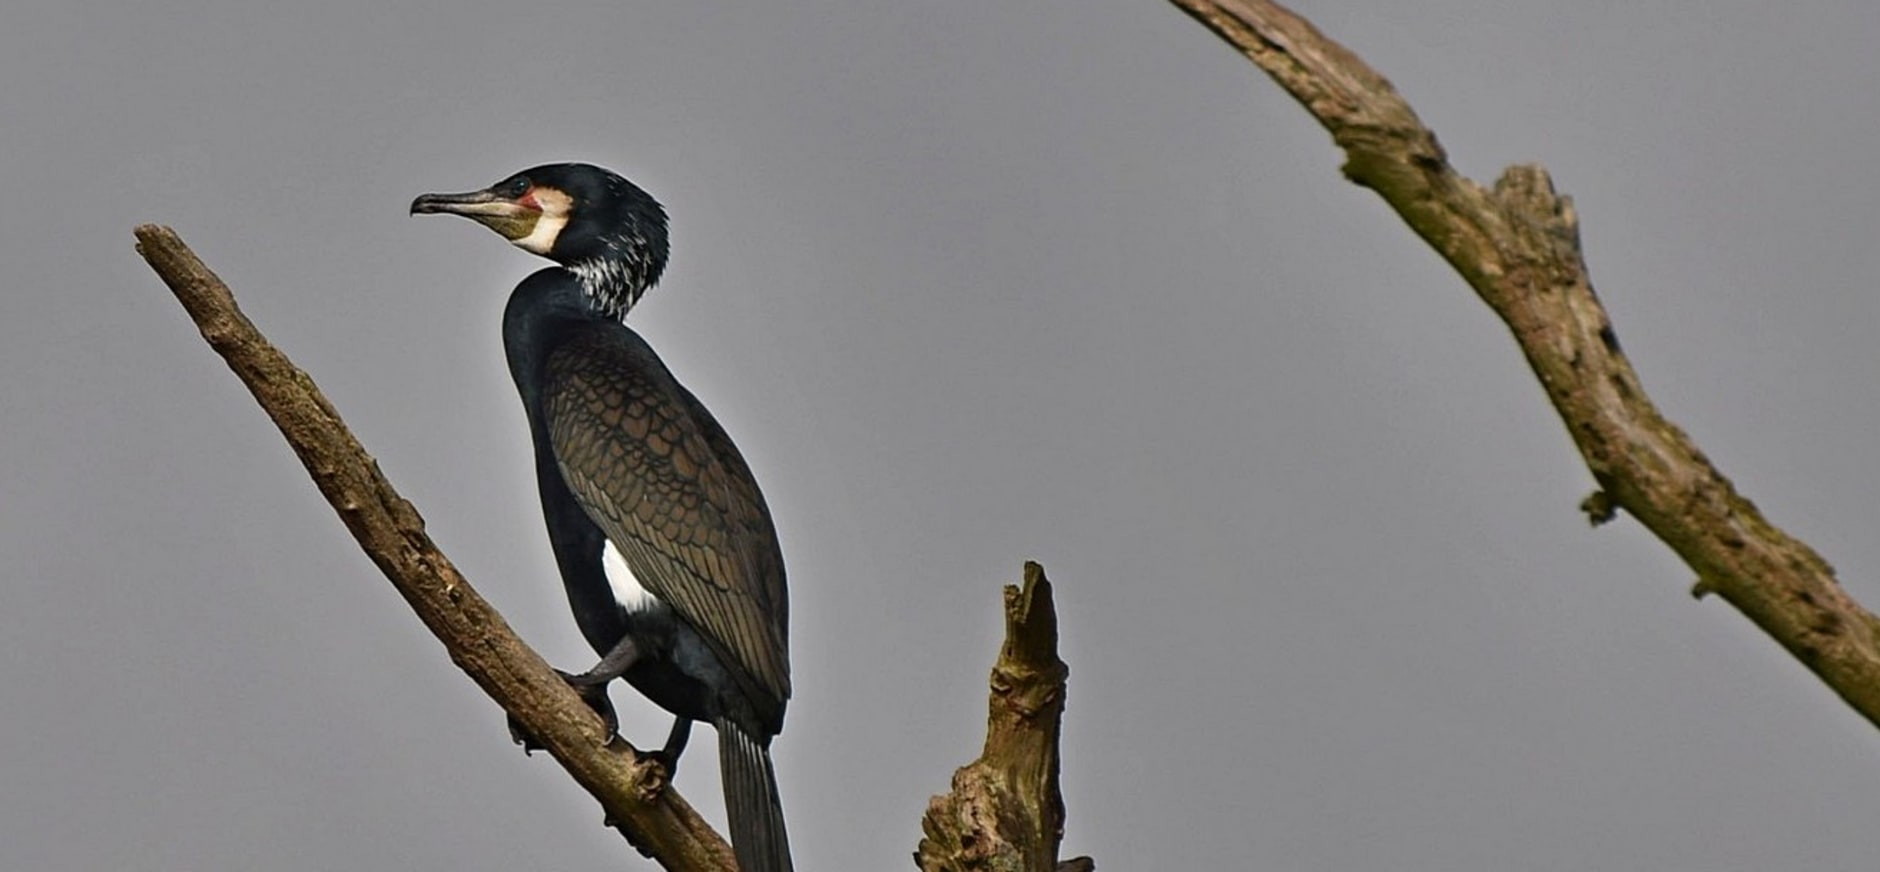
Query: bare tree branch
point(1518, 246)
point(1005, 811)
point(631, 792)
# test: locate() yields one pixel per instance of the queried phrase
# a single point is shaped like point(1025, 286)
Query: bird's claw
point(594, 694)
point(521, 736)
point(665, 760)
point(660, 768)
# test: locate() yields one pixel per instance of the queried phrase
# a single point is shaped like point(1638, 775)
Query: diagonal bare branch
point(655, 818)
point(1518, 245)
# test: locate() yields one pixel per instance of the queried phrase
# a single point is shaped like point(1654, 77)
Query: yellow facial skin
point(552, 208)
point(531, 222)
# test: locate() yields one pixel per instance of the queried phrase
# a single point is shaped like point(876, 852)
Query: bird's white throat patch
point(556, 206)
point(627, 590)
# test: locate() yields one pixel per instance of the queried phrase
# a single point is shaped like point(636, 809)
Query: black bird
point(665, 545)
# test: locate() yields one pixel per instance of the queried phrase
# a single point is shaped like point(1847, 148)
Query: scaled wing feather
point(658, 475)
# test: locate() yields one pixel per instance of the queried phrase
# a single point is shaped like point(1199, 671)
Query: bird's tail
point(751, 803)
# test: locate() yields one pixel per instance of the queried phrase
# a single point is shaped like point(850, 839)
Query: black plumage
point(627, 457)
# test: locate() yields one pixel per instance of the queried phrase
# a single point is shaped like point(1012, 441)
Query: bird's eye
point(516, 187)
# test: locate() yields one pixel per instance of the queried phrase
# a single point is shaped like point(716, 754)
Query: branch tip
point(1005, 810)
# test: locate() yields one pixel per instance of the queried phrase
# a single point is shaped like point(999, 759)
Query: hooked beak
point(484, 202)
point(505, 216)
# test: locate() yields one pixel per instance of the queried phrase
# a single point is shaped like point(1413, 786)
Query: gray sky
point(970, 283)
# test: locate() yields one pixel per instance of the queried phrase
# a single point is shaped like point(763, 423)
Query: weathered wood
point(1005, 811)
point(655, 818)
point(1518, 245)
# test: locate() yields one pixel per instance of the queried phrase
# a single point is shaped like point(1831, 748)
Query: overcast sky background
point(969, 283)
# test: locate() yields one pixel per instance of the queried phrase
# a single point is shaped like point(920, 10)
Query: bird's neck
point(613, 283)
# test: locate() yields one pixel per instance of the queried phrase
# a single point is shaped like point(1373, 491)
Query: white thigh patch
point(627, 590)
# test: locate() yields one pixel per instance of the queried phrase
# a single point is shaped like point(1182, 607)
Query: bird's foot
point(660, 768)
point(521, 736)
point(666, 761)
point(594, 694)
point(663, 765)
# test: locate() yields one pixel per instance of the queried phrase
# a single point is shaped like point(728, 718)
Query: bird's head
point(603, 228)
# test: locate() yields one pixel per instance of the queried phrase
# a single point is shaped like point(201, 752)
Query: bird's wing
point(659, 476)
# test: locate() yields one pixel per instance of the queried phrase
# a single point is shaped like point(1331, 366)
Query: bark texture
point(1005, 812)
point(389, 529)
point(1518, 245)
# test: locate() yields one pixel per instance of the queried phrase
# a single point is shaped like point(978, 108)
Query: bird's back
point(658, 474)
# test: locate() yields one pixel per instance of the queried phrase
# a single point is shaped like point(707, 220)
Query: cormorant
point(665, 546)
